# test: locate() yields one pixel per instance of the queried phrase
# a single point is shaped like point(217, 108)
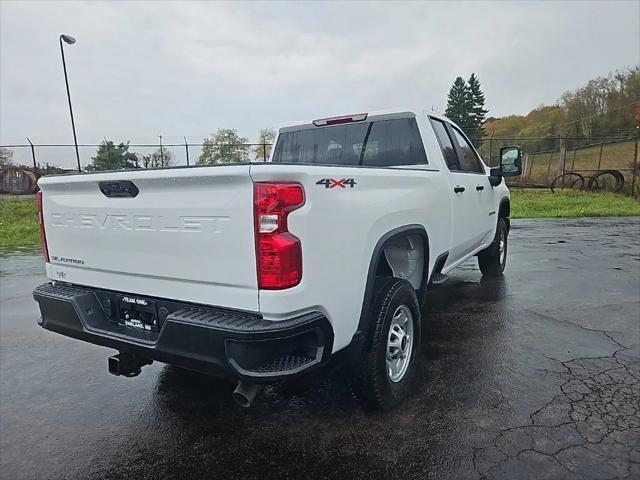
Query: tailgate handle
point(120, 188)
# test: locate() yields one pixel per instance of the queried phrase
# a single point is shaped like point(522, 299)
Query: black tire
point(567, 180)
point(578, 184)
point(493, 259)
point(607, 180)
point(592, 183)
point(373, 383)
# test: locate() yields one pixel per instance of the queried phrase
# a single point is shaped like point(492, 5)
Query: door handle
point(479, 187)
point(458, 189)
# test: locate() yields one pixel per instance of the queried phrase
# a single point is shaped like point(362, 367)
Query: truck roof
point(387, 114)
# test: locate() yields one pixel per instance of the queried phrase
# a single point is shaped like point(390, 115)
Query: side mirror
point(511, 161)
point(495, 176)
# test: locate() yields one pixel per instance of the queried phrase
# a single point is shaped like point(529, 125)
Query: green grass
point(19, 219)
point(530, 203)
point(18, 223)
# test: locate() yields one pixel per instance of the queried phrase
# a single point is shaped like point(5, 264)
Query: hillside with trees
point(605, 108)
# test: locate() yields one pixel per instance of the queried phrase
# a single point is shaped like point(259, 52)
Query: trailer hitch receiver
point(127, 364)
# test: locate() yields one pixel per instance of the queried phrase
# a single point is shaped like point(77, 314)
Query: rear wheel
point(388, 363)
point(493, 259)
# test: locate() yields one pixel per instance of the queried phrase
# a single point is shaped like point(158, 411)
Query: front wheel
point(493, 259)
point(388, 363)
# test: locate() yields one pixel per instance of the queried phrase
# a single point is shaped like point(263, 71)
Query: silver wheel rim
point(503, 247)
point(399, 343)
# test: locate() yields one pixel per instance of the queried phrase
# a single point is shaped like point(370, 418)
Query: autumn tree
point(605, 107)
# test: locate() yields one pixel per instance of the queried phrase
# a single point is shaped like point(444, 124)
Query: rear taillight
point(278, 252)
point(43, 237)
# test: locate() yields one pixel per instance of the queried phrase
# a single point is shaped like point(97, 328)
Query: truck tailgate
point(188, 234)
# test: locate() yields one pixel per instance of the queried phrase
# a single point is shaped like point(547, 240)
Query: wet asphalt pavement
point(535, 376)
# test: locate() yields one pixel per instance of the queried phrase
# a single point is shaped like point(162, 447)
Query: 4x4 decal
point(337, 182)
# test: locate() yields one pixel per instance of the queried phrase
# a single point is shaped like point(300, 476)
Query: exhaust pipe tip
point(244, 393)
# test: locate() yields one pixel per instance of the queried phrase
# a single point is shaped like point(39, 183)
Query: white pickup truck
point(257, 272)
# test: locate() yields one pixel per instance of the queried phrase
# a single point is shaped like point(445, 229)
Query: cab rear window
point(383, 143)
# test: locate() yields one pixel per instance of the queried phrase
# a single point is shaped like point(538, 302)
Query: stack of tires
point(15, 180)
point(604, 180)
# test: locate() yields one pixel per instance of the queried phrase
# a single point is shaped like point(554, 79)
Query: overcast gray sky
point(176, 68)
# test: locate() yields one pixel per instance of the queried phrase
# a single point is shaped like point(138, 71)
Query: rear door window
point(382, 143)
point(448, 151)
point(469, 161)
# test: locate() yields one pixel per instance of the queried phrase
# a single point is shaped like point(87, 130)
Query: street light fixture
point(69, 40)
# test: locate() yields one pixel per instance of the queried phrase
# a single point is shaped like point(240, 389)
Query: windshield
point(383, 143)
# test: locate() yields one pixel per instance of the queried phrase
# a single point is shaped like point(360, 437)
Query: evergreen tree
point(478, 112)
point(460, 104)
point(113, 157)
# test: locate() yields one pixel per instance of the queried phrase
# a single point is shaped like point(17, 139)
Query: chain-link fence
point(584, 157)
point(63, 156)
point(545, 159)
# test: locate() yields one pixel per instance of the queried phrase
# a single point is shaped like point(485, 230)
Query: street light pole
point(69, 40)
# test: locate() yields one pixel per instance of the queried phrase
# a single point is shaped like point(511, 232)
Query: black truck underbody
point(212, 340)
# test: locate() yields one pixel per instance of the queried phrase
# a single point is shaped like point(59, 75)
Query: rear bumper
point(212, 340)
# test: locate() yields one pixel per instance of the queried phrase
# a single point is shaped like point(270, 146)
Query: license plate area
point(138, 313)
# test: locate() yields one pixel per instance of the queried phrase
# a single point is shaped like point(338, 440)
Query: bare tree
point(265, 141)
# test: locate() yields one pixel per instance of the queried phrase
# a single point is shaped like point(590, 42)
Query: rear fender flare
point(376, 257)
